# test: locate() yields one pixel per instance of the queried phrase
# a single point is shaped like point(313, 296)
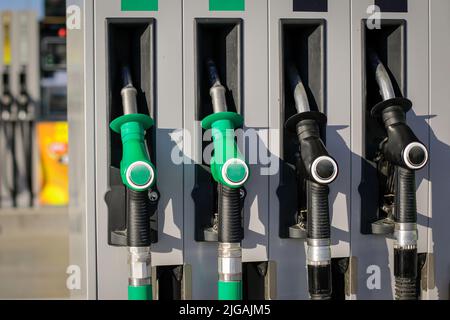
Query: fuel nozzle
point(227, 164)
point(319, 165)
point(401, 147)
point(403, 150)
point(23, 99)
point(6, 97)
point(320, 169)
point(230, 171)
point(138, 175)
point(137, 171)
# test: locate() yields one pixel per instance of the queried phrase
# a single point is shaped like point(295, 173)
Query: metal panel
point(438, 275)
point(289, 254)
point(104, 268)
point(112, 282)
point(202, 256)
point(376, 251)
point(80, 48)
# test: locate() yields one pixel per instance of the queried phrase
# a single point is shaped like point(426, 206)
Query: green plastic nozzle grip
point(136, 169)
point(227, 164)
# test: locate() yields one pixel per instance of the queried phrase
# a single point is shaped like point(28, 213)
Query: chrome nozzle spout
point(217, 91)
point(298, 89)
point(382, 76)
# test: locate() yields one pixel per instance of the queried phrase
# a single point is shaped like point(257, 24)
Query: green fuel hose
point(230, 290)
point(140, 292)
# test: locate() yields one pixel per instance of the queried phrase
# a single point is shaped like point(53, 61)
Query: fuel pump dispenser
point(315, 169)
point(230, 171)
point(24, 143)
point(139, 176)
point(7, 115)
point(400, 154)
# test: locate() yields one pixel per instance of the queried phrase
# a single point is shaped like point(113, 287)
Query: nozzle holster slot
point(218, 39)
point(303, 46)
point(377, 174)
point(130, 44)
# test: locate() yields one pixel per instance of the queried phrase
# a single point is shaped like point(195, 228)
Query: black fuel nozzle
point(406, 153)
point(23, 99)
point(402, 147)
point(320, 169)
point(6, 97)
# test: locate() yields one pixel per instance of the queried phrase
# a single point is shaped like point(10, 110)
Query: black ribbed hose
point(406, 196)
point(318, 211)
point(229, 214)
point(318, 221)
point(319, 282)
point(405, 272)
point(138, 219)
point(405, 259)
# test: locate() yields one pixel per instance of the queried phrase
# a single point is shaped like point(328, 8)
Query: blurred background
point(34, 249)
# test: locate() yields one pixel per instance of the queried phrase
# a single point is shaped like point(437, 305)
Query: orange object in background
point(53, 141)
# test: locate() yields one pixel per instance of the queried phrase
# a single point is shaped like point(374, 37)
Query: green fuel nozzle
point(138, 175)
point(230, 171)
point(136, 169)
point(228, 166)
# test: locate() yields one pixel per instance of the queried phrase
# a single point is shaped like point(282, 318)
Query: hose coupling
point(405, 236)
point(318, 252)
point(230, 261)
point(139, 260)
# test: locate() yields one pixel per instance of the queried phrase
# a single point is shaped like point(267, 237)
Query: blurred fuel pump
point(7, 187)
point(24, 126)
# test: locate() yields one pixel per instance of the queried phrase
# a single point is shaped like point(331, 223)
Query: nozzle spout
point(297, 87)
point(126, 77)
point(382, 76)
point(129, 93)
point(217, 91)
point(213, 74)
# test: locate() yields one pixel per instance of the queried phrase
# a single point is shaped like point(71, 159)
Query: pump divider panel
point(219, 39)
point(303, 43)
point(389, 44)
point(131, 43)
